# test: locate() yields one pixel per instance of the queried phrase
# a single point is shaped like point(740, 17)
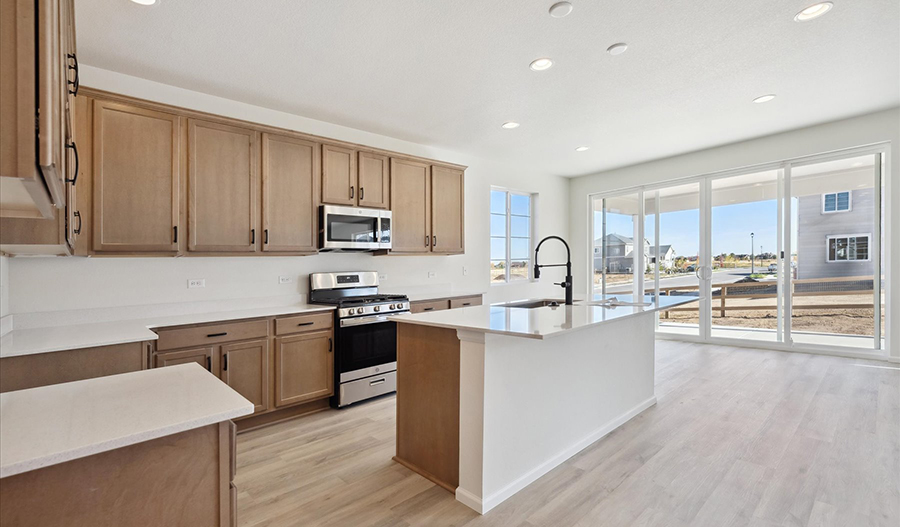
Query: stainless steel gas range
point(365, 358)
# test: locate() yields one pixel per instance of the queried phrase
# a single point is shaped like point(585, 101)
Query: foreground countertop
point(536, 323)
point(66, 337)
point(53, 424)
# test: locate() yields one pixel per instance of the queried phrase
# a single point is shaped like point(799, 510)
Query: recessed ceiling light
point(617, 49)
point(764, 98)
point(509, 125)
point(144, 2)
point(813, 11)
point(541, 64)
point(582, 148)
point(560, 9)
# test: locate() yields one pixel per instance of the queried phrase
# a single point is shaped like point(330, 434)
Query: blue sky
point(731, 228)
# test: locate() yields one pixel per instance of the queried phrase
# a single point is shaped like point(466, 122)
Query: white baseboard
point(482, 506)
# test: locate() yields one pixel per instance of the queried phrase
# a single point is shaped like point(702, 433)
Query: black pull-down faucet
point(567, 284)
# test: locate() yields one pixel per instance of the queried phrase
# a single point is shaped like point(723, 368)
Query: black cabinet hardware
point(351, 192)
point(209, 363)
point(361, 193)
point(428, 309)
point(434, 241)
point(427, 240)
point(175, 234)
point(225, 362)
point(467, 303)
point(222, 334)
point(252, 236)
point(76, 82)
point(75, 152)
point(306, 323)
point(77, 214)
point(330, 344)
point(266, 236)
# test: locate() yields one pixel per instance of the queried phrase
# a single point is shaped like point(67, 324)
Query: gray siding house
point(620, 254)
point(834, 234)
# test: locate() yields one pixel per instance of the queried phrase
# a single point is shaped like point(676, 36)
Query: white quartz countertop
point(536, 323)
point(53, 424)
point(65, 337)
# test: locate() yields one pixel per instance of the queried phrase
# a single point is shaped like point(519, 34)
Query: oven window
point(351, 228)
point(366, 346)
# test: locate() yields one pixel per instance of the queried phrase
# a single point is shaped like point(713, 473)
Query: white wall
point(50, 284)
point(4, 286)
point(847, 133)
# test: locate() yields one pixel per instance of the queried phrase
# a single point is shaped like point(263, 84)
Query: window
point(847, 247)
point(835, 202)
point(511, 250)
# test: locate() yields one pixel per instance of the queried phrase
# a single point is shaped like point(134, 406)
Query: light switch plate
point(285, 279)
point(194, 283)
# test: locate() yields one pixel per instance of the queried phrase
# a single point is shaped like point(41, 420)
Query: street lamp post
point(752, 268)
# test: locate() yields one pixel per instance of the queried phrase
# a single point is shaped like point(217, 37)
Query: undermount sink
point(532, 304)
point(615, 302)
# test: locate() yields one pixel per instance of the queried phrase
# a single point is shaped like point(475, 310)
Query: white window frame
point(835, 194)
point(830, 237)
point(532, 199)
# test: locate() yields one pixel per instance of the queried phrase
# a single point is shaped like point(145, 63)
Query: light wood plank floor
point(738, 437)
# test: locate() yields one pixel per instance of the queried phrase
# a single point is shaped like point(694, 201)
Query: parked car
point(773, 267)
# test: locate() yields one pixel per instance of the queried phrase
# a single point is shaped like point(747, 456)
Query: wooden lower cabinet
point(245, 367)
point(304, 367)
point(181, 479)
point(43, 369)
point(202, 356)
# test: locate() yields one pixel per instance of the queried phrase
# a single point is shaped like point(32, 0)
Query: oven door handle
point(362, 321)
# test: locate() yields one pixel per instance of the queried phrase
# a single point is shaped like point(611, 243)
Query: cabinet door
point(410, 206)
point(289, 170)
point(304, 368)
point(51, 137)
point(374, 181)
point(222, 187)
point(245, 367)
point(202, 356)
point(338, 175)
point(137, 164)
point(447, 210)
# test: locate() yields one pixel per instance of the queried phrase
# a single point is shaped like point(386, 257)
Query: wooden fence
point(830, 287)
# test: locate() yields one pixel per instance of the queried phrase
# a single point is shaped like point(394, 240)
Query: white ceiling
point(449, 73)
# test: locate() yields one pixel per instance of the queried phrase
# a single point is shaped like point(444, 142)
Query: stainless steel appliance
point(354, 229)
point(365, 338)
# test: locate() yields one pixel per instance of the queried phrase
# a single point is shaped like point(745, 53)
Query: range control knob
point(377, 308)
point(391, 306)
point(350, 311)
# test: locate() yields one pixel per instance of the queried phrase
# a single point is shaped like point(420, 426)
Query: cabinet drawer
point(429, 305)
point(301, 323)
point(210, 334)
point(465, 301)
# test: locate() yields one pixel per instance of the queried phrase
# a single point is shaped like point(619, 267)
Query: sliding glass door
point(790, 253)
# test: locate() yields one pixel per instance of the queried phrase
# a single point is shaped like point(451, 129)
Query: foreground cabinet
point(245, 367)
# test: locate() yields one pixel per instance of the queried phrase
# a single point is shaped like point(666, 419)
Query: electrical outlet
point(465, 271)
point(431, 274)
point(194, 283)
point(285, 279)
point(382, 277)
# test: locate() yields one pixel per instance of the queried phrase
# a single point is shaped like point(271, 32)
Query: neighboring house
point(620, 254)
point(834, 234)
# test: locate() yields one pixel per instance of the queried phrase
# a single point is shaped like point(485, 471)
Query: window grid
point(847, 248)
point(516, 217)
point(833, 202)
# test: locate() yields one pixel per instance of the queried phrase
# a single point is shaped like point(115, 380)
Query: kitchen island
point(490, 398)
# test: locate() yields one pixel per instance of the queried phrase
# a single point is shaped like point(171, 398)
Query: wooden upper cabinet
point(410, 206)
point(222, 188)
point(339, 176)
point(137, 165)
point(304, 367)
point(52, 95)
point(290, 169)
point(447, 210)
point(245, 367)
point(374, 181)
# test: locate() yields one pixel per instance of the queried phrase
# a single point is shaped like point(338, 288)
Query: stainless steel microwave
point(354, 229)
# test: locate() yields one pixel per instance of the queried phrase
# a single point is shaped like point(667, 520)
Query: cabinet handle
point(209, 363)
point(175, 234)
point(428, 309)
point(222, 334)
point(467, 303)
point(351, 192)
point(376, 382)
point(266, 236)
point(427, 240)
point(361, 193)
point(434, 241)
point(73, 83)
point(252, 236)
point(330, 344)
point(74, 149)
point(306, 323)
point(224, 362)
point(77, 214)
